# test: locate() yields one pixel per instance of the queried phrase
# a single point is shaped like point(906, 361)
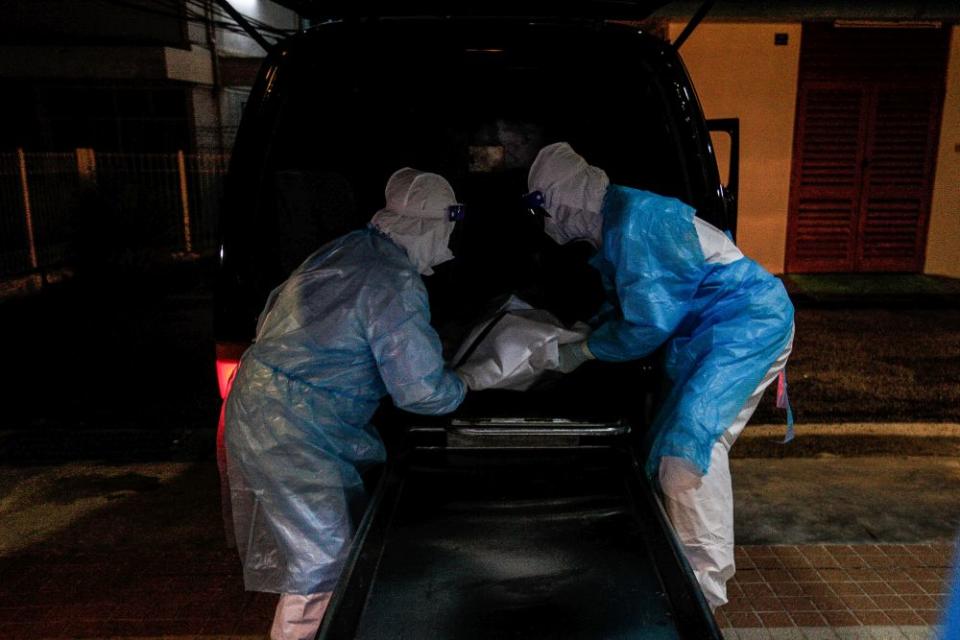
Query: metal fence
point(58, 208)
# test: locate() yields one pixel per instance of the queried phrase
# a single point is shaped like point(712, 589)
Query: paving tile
point(846, 588)
point(904, 617)
point(864, 575)
point(768, 562)
point(743, 619)
point(933, 587)
point(788, 589)
point(798, 562)
point(805, 575)
point(818, 633)
point(892, 574)
point(738, 604)
point(774, 576)
point(885, 632)
point(828, 603)
point(798, 603)
point(721, 618)
point(883, 562)
point(734, 589)
point(824, 562)
point(766, 603)
point(786, 633)
point(858, 602)
point(816, 589)
point(905, 588)
point(930, 617)
point(881, 588)
point(840, 549)
point(868, 550)
point(853, 633)
point(753, 634)
point(730, 634)
point(834, 575)
point(776, 619)
point(923, 574)
point(753, 589)
point(854, 562)
point(920, 602)
point(840, 619)
point(872, 617)
point(808, 619)
point(916, 632)
point(889, 603)
point(749, 575)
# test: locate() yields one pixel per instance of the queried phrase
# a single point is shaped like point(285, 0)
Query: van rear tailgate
point(556, 537)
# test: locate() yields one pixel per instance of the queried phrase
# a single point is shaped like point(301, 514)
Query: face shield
point(571, 192)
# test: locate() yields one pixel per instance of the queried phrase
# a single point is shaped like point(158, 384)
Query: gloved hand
point(464, 379)
point(572, 355)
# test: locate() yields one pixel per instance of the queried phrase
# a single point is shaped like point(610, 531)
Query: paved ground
point(120, 548)
point(99, 550)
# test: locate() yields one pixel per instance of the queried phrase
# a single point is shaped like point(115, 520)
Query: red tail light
point(228, 359)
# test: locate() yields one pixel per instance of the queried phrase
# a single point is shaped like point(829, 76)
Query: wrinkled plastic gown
point(349, 326)
point(723, 324)
point(514, 348)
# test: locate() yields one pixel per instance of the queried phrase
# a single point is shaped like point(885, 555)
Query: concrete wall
point(242, 45)
point(943, 240)
point(91, 22)
point(739, 72)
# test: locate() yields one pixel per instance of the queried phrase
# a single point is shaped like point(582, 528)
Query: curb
point(850, 439)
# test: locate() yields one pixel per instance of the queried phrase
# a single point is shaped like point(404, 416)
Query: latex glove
point(463, 379)
point(572, 355)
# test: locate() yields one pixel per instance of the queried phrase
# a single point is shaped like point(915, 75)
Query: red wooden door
point(864, 149)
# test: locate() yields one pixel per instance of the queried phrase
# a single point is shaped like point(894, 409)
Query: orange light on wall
point(228, 359)
point(226, 369)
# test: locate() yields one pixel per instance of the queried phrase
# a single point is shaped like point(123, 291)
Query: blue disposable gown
point(349, 326)
point(723, 324)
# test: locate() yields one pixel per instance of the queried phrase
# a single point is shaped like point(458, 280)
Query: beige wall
point(943, 241)
point(738, 72)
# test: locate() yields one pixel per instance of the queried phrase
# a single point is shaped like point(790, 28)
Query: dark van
point(522, 515)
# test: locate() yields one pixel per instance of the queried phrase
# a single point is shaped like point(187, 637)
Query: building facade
point(143, 76)
point(849, 130)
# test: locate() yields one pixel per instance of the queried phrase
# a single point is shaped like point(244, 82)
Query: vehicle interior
point(476, 113)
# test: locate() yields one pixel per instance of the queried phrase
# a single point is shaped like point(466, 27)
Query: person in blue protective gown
point(349, 326)
point(725, 323)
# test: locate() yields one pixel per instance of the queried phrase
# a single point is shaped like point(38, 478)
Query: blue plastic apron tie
point(783, 402)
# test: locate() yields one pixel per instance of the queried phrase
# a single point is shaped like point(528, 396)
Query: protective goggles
point(456, 212)
point(536, 204)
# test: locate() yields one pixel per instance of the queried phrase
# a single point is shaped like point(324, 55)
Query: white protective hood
point(573, 191)
point(416, 216)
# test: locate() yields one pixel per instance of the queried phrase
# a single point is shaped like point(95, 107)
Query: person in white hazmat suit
point(349, 326)
point(676, 281)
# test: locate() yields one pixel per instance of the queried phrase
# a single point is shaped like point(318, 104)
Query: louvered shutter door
point(868, 118)
point(826, 180)
point(897, 184)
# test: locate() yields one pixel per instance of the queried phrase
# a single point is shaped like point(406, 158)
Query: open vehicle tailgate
point(513, 531)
